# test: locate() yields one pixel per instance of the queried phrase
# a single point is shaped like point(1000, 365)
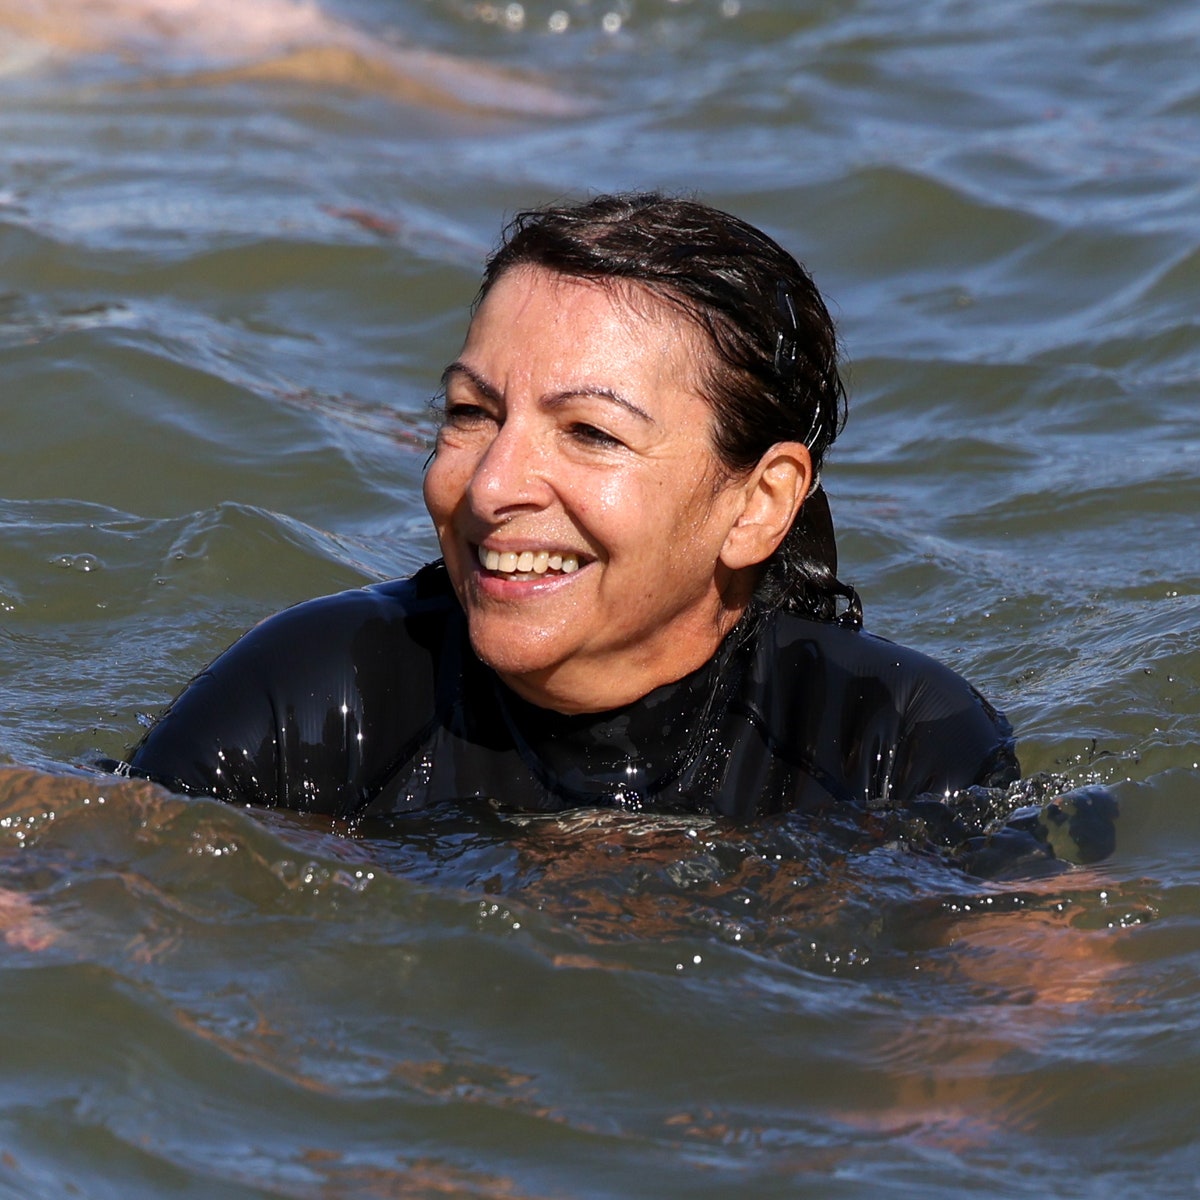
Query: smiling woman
point(575, 428)
point(638, 603)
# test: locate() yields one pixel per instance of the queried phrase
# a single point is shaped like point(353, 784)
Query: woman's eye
point(592, 436)
point(462, 415)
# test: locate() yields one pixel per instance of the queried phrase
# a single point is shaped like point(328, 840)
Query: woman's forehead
point(537, 312)
point(628, 300)
point(547, 337)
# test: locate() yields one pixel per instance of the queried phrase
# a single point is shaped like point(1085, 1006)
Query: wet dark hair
point(773, 376)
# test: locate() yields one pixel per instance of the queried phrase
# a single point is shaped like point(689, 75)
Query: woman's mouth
point(527, 564)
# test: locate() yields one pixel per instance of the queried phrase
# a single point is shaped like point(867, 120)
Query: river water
point(237, 245)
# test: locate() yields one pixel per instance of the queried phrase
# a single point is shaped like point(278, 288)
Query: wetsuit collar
point(633, 755)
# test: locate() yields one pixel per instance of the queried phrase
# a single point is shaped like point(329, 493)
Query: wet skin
point(575, 428)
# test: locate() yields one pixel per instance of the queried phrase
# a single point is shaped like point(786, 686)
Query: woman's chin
point(547, 671)
point(515, 653)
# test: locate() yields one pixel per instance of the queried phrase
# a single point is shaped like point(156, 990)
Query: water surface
point(227, 292)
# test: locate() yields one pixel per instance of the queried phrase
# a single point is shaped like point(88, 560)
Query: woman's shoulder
point(395, 608)
point(859, 654)
point(367, 657)
point(860, 696)
point(426, 593)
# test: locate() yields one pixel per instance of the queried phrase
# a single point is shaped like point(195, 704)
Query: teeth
point(528, 562)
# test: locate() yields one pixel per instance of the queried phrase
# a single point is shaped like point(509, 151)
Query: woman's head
point(771, 371)
point(624, 448)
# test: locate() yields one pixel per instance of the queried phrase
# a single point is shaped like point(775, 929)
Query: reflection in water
point(960, 992)
point(286, 41)
point(1025, 986)
point(22, 924)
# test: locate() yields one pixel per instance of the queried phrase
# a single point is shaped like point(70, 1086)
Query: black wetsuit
point(372, 703)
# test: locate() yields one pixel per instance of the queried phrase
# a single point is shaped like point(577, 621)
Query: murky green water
point(226, 295)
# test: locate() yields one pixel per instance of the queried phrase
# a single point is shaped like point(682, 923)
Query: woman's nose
point(510, 475)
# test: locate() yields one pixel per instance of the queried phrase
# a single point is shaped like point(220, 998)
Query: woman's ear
point(773, 493)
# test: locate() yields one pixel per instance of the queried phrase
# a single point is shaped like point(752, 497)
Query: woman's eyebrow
point(492, 393)
point(603, 393)
point(477, 381)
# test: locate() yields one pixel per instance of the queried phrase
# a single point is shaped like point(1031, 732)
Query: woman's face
point(580, 508)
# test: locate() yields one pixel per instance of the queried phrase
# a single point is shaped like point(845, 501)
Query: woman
point(638, 603)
